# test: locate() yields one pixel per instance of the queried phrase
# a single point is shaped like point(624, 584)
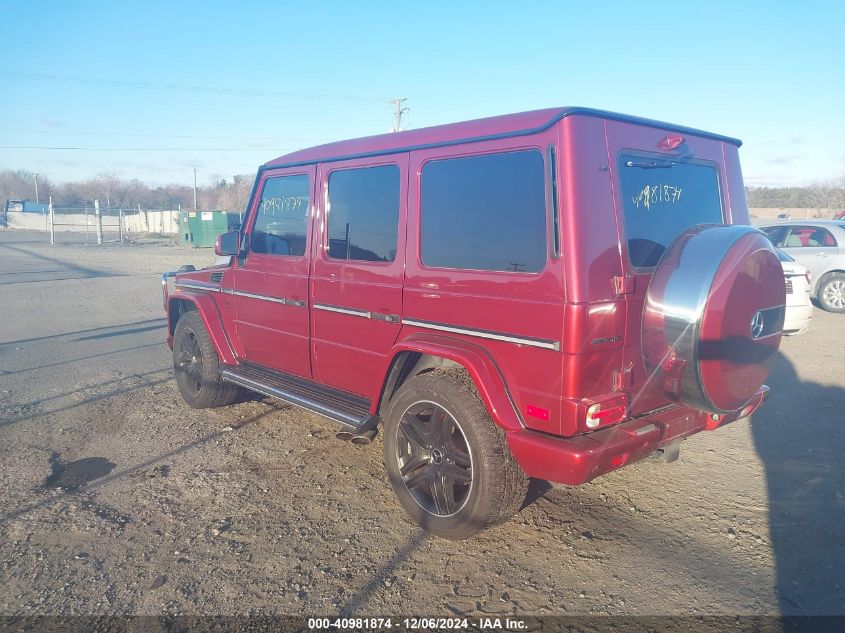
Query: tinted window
point(364, 213)
point(484, 212)
point(282, 219)
point(661, 199)
point(807, 236)
point(774, 233)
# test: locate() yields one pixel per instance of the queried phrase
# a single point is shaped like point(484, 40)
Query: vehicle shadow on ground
point(120, 385)
point(100, 482)
point(800, 437)
point(160, 322)
point(75, 271)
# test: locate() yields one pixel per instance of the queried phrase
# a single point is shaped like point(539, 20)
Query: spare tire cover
point(713, 317)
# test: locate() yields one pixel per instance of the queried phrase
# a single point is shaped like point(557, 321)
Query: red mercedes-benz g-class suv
point(552, 294)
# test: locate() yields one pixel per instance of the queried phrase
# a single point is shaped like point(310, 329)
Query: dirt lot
point(256, 508)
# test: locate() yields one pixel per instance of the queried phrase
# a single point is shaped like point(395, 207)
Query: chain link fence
point(98, 225)
point(101, 225)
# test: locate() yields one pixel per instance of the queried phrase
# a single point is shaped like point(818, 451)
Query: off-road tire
point(499, 486)
point(827, 284)
point(203, 388)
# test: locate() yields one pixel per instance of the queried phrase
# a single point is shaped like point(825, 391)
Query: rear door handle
point(296, 303)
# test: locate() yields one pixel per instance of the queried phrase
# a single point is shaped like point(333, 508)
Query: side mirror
point(228, 244)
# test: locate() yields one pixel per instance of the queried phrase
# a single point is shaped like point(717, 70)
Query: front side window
point(661, 198)
point(485, 212)
point(364, 213)
point(774, 233)
point(281, 220)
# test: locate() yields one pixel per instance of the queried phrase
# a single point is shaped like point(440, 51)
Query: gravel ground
point(116, 498)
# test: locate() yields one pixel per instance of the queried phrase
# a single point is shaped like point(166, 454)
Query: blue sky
point(770, 73)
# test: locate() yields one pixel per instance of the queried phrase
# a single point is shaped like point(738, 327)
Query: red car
point(552, 294)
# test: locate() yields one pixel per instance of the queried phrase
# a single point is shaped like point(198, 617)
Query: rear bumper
point(797, 317)
point(577, 460)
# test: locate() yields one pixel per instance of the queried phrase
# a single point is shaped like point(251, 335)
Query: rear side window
point(661, 198)
point(808, 237)
point(484, 212)
point(364, 213)
point(281, 221)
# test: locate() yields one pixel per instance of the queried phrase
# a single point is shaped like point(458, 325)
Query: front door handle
point(296, 303)
point(821, 254)
point(389, 318)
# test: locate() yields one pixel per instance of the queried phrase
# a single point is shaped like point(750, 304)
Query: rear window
point(661, 198)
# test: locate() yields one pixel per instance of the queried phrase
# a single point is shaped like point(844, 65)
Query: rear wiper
point(660, 163)
point(652, 164)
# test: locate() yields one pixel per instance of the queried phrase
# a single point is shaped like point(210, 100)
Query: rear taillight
point(606, 411)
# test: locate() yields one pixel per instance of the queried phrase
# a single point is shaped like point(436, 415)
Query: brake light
point(671, 141)
point(606, 412)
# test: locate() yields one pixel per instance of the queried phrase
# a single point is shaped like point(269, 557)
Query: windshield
point(661, 198)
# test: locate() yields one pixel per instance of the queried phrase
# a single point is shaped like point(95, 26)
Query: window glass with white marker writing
point(282, 219)
point(661, 198)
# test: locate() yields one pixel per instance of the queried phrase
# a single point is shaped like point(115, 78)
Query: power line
point(145, 85)
point(156, 149)
point(139, 134)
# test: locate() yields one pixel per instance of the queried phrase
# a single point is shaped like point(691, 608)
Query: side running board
point(352, 412)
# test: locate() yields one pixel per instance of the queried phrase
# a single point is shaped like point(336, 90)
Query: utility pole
point(195, 189)
point(52, 223)
point(399, 112)
point(36, 187)
point(98, 216)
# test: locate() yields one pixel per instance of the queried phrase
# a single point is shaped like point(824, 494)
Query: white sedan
point(799, 309)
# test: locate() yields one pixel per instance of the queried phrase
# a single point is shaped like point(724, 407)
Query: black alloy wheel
point(197, 365)
point(189, 360)
point(434, 458)
point(446, 459)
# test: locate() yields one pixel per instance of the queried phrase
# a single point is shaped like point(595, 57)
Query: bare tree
point(221, 193)
point(17, 185)
point(106, 184)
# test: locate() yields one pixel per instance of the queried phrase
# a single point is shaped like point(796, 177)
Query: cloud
point(789, 159)
point(189, 164)
point(775, 180)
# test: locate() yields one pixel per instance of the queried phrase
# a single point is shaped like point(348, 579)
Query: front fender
point(481, 367)
point(207, 309)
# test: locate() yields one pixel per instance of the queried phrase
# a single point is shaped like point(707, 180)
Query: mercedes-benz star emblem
point(757, 324)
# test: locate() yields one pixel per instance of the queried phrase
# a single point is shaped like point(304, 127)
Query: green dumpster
point(201, 228)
